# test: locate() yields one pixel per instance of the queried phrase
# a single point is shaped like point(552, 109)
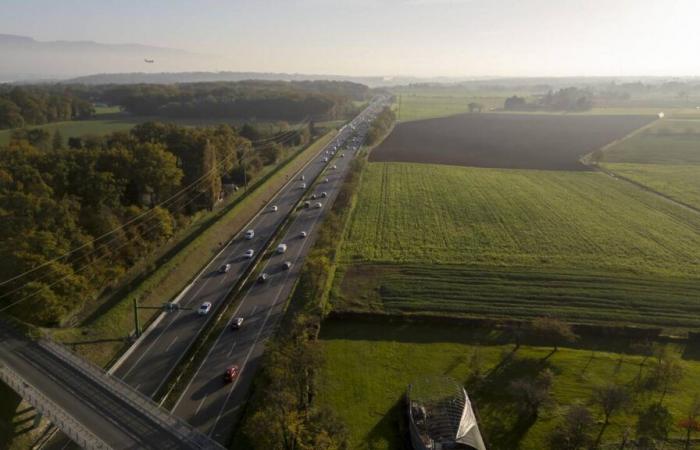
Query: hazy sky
point(390, 37)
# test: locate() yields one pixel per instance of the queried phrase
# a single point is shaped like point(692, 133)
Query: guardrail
point(57, 415)
point(180, 428)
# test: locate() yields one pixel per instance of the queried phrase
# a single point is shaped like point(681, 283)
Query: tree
point(57, 142)
point(515, 103)
point(475, 107)
point(575, 432)
point(691, 422)
point(553, 331)
point(611, 398)
point(531, 394)
point(664, 374)
point(654, 423)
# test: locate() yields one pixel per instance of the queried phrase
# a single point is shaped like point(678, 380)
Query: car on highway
point(325, 159)
point(237, 323)
point(302, 234)
point(287, 265)
point(204, 309)
point(314, 196)
point(307, 204)
point(231, 374)
point(302, 186)
point(342, 155)
point(318, 205)
point(225, 268)
point(302, 178)
point(281, 248)
point(325, 180)
point(262, 278)
point(324, 194)
point(250, 234)
point(274, 208)
point(333, 167)
point(249, 253)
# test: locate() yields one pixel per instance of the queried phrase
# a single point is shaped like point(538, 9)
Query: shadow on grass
point(392, 430)
point(402, 329)
point(501, 421)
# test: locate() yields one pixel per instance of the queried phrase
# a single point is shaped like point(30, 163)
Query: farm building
point(440, 416)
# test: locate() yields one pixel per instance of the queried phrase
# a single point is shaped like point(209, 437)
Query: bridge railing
point(147, 406)
point(57, 415)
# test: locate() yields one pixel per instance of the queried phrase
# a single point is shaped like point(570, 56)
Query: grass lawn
point(102, 336)
point(368, 367)
point(442, 239)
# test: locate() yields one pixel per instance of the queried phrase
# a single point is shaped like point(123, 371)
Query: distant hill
point(26, 59)
point(198, 77)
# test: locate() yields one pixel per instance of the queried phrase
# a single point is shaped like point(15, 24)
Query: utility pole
point(137, 325)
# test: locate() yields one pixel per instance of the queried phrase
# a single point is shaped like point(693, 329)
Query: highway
point(208, 403)
point(86, 403)
point(150, 362)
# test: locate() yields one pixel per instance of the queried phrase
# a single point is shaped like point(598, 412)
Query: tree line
point(566, 99)
point(135, 188)
point(21, 106)
point(380, 125)
point(294, 100)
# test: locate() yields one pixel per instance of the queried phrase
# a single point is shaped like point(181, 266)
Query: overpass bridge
point(96, 410)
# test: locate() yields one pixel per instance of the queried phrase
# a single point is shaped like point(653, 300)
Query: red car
point(231, 374)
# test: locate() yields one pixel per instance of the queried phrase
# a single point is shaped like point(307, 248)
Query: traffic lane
point(170, 336)
point(208, 387)
point(222, 413)
point(208, 380)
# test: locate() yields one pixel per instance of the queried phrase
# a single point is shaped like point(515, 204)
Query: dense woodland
point(54, 199)
point(380, 125)
point(22, 106)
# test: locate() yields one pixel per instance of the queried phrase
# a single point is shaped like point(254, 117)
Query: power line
point(172, 198)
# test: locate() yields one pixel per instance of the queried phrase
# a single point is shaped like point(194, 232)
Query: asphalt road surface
point(152, 361)
point(212, 405)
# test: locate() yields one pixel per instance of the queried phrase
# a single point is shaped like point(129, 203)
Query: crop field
point(368, 367)
point(452, 240)
point(664, 157)
point(525, 141)
point(416, 107)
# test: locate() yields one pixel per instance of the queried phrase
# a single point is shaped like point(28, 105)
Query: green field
point(368, 367)
point(664, 157)
point(109, 122)
point(441, 239)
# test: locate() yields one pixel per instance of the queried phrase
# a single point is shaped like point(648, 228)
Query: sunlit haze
point(455, 38)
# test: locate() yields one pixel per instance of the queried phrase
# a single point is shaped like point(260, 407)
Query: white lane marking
point(171, 344)
point(200, 405)
point(228, 355)
point(275, 302)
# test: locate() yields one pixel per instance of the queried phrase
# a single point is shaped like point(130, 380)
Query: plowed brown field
point(519, 141)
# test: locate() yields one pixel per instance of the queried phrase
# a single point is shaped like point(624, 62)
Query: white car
point(302, 178)
point(342, 155)
point(303, 185)
point(302, 234)
point(281, 248)
point(324, 194)
point(287, 265)
point(250, 234)
point(237, 323)
point(318, 205)
point(204, 309)
point(334, 167)
point(274, 208)
point(249, 253)
point(225, 268)
point(325, 180)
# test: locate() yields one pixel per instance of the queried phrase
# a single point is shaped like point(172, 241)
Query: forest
point(77, 218)
point(21, 106)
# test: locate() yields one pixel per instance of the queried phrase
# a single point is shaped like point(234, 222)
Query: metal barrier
point(57, 415)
